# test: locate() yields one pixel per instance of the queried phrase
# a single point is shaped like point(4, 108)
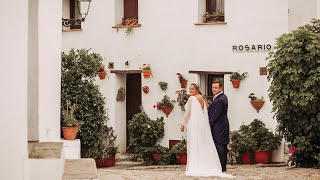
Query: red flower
point(293, 150)
point(78, 126)
point(154, 106)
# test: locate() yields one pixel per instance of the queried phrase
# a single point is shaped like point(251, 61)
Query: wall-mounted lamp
point(83, 9)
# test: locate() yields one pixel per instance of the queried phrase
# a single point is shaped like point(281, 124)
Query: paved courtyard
point(138, 171)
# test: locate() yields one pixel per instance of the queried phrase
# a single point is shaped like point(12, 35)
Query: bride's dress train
point(203, 159)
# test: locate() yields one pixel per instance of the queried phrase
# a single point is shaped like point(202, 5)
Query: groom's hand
point(182, 128)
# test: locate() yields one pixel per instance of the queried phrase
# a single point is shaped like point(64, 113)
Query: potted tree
point(236, 77)
point(102, 72)
point(146, 70)
point(256, 102)
point(180, 150)
point(266, 141)
point(166, 105)
point(70, 123)
point(183, 81)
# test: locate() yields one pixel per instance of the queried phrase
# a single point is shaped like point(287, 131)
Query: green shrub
point(294, 72)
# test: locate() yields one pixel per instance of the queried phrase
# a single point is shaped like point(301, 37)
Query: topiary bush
point(78, 70)
point(294, 72)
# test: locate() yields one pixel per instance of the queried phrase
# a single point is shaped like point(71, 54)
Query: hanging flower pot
point(236, 83)
point(167, 109)
point(184, 83)
point(102, 74)
point(69, 133)
point(145, 89)
point(257, 104)
point(146, 73)
point(182, 159)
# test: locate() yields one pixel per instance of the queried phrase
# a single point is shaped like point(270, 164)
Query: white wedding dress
point(203, 159)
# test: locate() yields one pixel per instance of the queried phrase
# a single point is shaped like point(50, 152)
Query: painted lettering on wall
point(252, 48)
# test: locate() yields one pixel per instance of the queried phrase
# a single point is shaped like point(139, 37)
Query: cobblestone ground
point(248, 172)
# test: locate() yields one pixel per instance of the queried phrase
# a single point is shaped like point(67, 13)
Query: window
point(130, 12)
point(75, 13)
point(214, 11)
point(210, 78)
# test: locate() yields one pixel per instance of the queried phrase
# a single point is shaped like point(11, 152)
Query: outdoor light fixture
point(83, 9)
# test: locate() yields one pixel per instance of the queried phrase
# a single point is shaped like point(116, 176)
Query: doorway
point(133, 100)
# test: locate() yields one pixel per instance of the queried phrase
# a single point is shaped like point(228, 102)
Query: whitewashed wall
point(13, 91)
point(301, 12)
point(49, 63)
point(170, 42)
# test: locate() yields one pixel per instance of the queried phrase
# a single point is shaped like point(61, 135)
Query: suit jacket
point(218, 119)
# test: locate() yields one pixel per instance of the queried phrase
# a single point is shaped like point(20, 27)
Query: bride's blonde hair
point(197, 87)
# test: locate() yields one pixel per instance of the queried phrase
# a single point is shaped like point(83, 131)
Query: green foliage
point(144, 133)
point(163, 85)
point(294, 72)
point(79, 68)
point(180, 148)
point(166, 101)
point(67, 115)
point(238, 76)
point(106, 143)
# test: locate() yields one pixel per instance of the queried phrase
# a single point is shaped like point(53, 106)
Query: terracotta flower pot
point(167, 109)
point(102, 74)
point(146, 73)
point(236, 83)
point(245, 158)
point(257, 104)
point(69, 133)
point(99, 163)
point(263, 157)
point(145, 89)
point(157, 157)
point(184, 83)
point(110, 161)
point(182, 159)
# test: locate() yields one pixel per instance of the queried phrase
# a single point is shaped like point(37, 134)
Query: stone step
point(80, 169)
point(46, 160)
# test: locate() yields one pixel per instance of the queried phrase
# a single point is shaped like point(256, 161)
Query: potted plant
point(183, 81)
point(102, 72)
point(266, 141)
point(180, 150)
point(70, 123)
point(146, 70)
point(106, 150)
point(163, 85)
point(145, 89)
point(256, 102)
point(217, 16)
point(243, 144)
point(166, 105)
point(158, 152)
point(182, 98)
point(236, 77)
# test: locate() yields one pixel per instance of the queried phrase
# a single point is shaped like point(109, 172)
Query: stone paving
point(248, 172)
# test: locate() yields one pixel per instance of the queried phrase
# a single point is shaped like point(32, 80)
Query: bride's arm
point(187, 114)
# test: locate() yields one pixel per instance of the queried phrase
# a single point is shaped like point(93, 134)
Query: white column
point(49, 54)
point(13, 91)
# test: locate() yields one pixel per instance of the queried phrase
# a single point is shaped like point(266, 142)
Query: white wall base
point(72, 149)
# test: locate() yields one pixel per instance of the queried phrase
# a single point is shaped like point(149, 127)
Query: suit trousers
point(222, 152)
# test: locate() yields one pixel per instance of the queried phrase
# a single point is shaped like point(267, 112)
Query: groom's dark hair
point(220, 84)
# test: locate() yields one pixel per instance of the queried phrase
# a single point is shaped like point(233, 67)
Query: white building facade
point(172, 38)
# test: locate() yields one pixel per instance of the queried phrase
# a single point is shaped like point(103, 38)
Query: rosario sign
point(251, 48)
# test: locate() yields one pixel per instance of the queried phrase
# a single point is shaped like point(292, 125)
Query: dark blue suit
point(219, 124)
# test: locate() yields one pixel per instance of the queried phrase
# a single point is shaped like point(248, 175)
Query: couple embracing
point(207, 133)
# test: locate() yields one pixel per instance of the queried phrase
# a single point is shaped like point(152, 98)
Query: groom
point(219, 123)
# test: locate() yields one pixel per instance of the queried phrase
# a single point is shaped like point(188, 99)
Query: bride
point(203, 159)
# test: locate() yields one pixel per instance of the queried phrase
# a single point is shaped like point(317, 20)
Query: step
point(46, 160)
point(80, 169)
point(72, 149)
